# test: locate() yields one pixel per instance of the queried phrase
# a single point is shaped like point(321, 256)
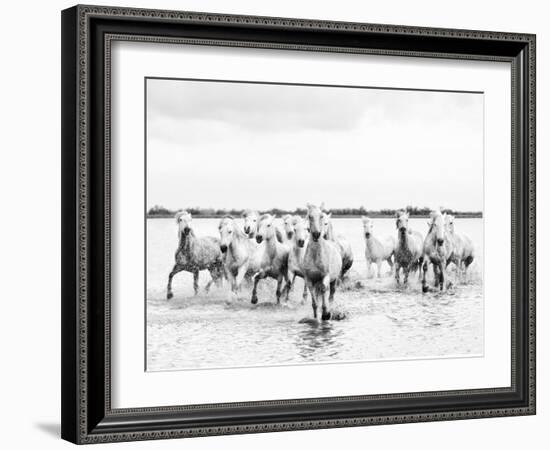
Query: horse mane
point(247, 212)
point(179, 214)
point(264, 216)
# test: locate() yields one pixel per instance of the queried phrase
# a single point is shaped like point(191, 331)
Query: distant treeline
point(158, 211)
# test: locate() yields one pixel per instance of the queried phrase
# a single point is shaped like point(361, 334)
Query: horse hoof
point(254, 300)
point(169, 295)
point(325, 316)
point(425, 289)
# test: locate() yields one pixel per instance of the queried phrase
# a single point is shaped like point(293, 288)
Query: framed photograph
point(276, 224)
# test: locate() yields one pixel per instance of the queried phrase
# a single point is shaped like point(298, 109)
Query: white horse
point(241, 254)
point(377, 249)
point(195, 254)
point(274, 261)
point(288, 228)
point(297, 252)
point(322, 265)
point(408, 251)
point(344, 247)
point(463, 248)
point(438, 248)
point(251, 221)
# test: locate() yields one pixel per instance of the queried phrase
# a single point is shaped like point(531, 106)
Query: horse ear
point(329, 215)
point(364, 218)
point(322, 207)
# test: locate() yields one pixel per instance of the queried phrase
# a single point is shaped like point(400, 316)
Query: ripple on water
point(379, 322)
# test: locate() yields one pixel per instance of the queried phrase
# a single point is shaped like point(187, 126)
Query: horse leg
point(397, 267)
point(436, 275)
point(390, 263)
point(379, 265)
point(231, 279)
point(177, 268)
point(424, 271)
point(207, 287)
point(292, 278)
point(467, 261)
point(325, 307)
point(304, 293)
point(289, 284)
point(217, 273)
point(257, 277)
point(278, 290)
point(241, 273)
point(406, 270)
point(196, 282)
point(420, 267)
point(332, 291)
point(311, 288)
point(442, 277)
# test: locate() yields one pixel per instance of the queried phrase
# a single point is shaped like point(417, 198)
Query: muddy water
point(381, 320)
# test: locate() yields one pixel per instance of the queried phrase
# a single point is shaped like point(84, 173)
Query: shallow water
point(381, 320)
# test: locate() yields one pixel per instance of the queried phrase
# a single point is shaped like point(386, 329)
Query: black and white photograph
point(296, 224)
point(276, 220)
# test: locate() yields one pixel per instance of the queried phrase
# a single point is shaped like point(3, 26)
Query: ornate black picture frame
point(87, 34)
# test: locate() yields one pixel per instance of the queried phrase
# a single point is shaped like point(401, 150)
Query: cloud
point(248, 145)
point(271, 107)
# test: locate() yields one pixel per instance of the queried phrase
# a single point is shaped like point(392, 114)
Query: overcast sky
point(243, 145)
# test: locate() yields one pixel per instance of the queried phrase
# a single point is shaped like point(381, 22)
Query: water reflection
point(319, 339)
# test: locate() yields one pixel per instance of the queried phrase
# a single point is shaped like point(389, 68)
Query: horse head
point(301, 231)
point(183, 219)
point(251, 219)
point(367, 226)
point(227, 230)
point(438, 227)
point(402, 221)
point(450, 223)
point(327, 227)
point(288, 226)
point(316, 222)
point(266, 230)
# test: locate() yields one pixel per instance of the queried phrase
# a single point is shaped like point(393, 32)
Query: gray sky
point(243, 145)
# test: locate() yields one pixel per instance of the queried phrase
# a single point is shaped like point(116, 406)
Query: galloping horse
point(438, 248)
point(297, 252)
point(344, 247)
point(251, 222)
point(240, 253)
point(377, 250)
point(463, 248)
point(288, 228)
point(408, 252)
point(195, 254)
point(322, 265)
point(274, 261)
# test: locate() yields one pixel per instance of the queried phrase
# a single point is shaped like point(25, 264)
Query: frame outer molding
point(75, 201)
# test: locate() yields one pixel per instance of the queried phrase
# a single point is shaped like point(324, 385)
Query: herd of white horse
point(310, 249)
